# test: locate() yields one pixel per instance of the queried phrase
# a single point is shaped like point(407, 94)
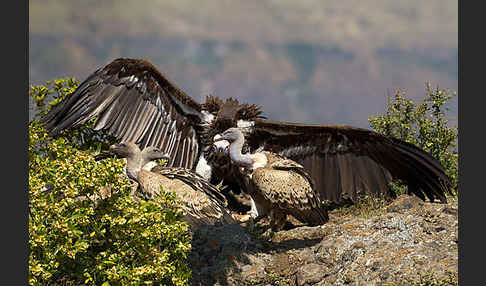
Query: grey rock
point(310, 274)
point(391, 248)
point(404, 203)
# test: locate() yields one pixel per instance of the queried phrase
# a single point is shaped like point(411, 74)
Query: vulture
point(202, 203)
point(278, 186)
point(133, 101)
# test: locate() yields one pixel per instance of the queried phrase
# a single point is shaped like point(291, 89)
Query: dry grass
point(366, 207)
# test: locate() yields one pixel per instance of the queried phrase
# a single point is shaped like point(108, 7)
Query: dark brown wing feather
point(345, 161)
point(134, 102)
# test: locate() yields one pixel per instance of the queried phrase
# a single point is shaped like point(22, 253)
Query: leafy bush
point(59, 88)
point(423, 125)
point(85, 228)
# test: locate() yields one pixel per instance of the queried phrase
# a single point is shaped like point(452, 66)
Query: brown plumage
point(201, 202)
point(135, 102)
point(277, 185)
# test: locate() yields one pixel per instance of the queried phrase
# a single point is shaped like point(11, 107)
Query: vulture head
point(220, 150)
point(137, 159)
point(236, 141)
point(124, 149)
point(231, 135)
point(132, 152)
point(149, 156)
point(219, 158)
point(153, 153)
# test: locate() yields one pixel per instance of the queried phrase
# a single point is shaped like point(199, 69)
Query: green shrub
point(59, 88)
point(85, 228)
point(423, 125)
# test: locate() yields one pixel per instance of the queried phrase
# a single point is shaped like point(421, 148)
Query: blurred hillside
point(304, 61)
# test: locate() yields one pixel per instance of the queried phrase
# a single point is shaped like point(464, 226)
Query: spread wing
point(134, 102)
point(345, 161)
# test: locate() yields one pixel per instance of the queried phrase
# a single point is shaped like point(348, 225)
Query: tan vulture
point(202, 203)
point(278, 186)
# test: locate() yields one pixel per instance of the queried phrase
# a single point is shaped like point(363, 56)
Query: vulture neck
point(138, 161)
point(243, 160)
point(134, 165)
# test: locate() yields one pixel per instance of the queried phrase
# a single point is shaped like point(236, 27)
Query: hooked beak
point(220, 153)
point(114, 147)
point(165, 157)
point(103, 155)
point(220, 147)
point(108, 153)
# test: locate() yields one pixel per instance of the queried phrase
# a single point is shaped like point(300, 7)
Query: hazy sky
point(306, 61)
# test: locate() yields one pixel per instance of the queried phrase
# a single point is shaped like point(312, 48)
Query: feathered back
point(288, 188)
point(197, 182)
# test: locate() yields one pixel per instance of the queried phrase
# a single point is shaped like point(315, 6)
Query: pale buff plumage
point(277, 185)
point(201, 202)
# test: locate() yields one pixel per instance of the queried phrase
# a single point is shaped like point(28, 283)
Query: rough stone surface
point(409, 239)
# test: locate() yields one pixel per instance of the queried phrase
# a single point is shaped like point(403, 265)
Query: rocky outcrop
point(411, 240)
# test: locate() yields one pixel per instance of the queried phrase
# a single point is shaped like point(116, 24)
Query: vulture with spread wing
point(134, 101)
